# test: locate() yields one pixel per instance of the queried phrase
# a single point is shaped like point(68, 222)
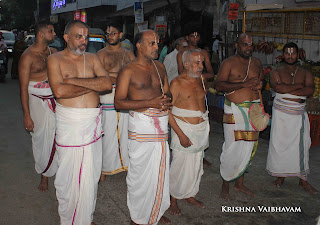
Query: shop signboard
point(233, 11)
point(138, 11)
point(161, 31)
point(83, 16)
point(76, 15)
point(57, 4)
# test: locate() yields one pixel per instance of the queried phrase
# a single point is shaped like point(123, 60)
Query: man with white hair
point(190, 130)
point(170, 61)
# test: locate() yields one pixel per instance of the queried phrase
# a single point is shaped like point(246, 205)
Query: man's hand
point(185, 141)
point(252, 83)
point(28, 123)
point(162, 102)
point(258, 87)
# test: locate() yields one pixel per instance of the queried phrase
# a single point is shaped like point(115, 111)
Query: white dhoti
point(241, 141)
point(186, 167)
point(115, 157)
point(79, 148)
point(290, 141)
point(42, 111)
point(148, 173)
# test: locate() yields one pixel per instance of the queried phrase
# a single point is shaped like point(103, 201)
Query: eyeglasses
point(112, 34)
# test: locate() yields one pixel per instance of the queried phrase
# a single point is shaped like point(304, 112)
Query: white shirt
point(215, 46)
point(171, 65)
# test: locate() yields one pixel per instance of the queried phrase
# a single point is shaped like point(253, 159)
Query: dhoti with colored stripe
point(148, 173)
point(115, 157)
point(290, 141)
point(79, 149)
point(241, 141)
point(42, 111)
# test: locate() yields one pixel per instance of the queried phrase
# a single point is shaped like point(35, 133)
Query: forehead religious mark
point(155, 38)
point(290, 51)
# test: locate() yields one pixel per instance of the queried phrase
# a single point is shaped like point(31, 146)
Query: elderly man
point(193, 38)
point(288, 154)
point(240, 78)
point(170, 61)
point(190, 130)
point(142, 88)
point(76, 77)
point(115, 157)
point(38, 103)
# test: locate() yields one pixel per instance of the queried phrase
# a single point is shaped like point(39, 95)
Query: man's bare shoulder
point(57, 55)
point(53, 50)
point(159, 64)
point(204, 52)
point(256, 61)
point(230, 60)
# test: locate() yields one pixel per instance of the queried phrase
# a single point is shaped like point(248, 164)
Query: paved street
point(22, 204)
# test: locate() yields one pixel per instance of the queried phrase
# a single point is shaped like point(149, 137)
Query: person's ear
point(66, 38)
point(120, 35)
point(138, 45)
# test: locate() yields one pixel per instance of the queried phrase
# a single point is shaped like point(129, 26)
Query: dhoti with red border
point(148, 173)
point(42, 111)
point(79, 150)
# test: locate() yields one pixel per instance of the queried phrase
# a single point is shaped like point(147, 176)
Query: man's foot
point(165, 220)
point(43, 186)
point(308, 187)
point(195, 202)
point(206, 162)
point(174, 209)
point(243, 189)
point(278, 182)
point(225, 191)
point(102, 177)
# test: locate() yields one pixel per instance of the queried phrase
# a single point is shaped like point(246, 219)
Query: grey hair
point(178, 41)
point(187, 55)
point(73, 23)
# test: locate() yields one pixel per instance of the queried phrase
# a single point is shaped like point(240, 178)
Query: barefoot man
point(76, 77)
point(288, 154)
point(193, 38)
point(240, 78)
point(190, 131)
point(115, 157)
point(38, 103)
point(142, 88)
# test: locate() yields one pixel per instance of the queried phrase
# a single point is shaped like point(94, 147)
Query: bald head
point(72, 24)
point(243, 36)
point(146, 43)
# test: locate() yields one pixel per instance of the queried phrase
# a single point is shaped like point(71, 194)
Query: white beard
point(193, 75)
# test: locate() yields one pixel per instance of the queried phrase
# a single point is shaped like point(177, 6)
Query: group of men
point(92, 115)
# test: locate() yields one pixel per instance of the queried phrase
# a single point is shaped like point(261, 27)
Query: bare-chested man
point(290, 141)
point(142, 87)
point(38, 103)
point(76, 77)
point(193, 38)
point(115, 124)
point(240, 78)
point(190, 131)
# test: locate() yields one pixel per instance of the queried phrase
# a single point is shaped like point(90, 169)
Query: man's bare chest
point(292, 78)
point(76, 70)
point(243, 72)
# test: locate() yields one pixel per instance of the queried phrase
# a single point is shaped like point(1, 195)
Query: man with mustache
point(76, 78)
point(115, 157)
point(288, 154)
point(142, 88)
point(240, 77)
point(38, 103)
point(190, 130)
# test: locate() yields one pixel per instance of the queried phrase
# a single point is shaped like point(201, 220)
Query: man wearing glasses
point(115, 123)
